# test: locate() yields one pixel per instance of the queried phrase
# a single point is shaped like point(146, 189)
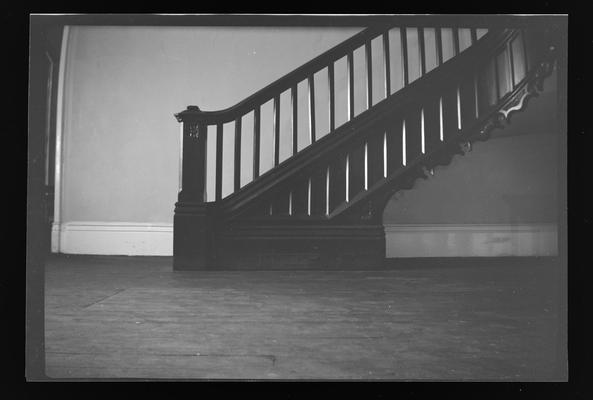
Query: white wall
point(120, 141)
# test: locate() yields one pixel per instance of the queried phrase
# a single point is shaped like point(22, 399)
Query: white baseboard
point(113, 238)
point(471, 240)
point(125, 238)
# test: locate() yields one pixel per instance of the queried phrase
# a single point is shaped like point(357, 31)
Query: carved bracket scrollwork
point(193, 131)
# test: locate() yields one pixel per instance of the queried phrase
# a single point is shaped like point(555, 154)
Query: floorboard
point(133, 317)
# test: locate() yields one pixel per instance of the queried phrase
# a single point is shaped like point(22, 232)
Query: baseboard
point(113, 238)
point(471, 240)
point(402, 241)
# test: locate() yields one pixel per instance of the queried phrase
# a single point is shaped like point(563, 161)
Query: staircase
point(322, 206)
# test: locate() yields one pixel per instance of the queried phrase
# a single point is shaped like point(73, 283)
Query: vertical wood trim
point(276, 130)
point(387, 64)
point(439, 45)
point(332, 99)
point(311, 108)
point(385, 154)
point(526, 57)
point(366, 165)
point(404, 160)
point(476, 95)
point(295, 118)
point(422, 135)
point(256, 140)
point(456, 40)
point(59, 162)
point(327, 191)
point(441, 133)
point(237, 162)
point(347, 178)
point(350, 60)
point(458, 108)
point(511, 64)
point(474, 34)
point(369, 65)
point(218, 177)
point(422, 50)
point(496, 80)
point(404, 49)
point(309, 197)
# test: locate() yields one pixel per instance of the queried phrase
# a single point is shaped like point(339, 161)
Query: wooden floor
point(133, 317)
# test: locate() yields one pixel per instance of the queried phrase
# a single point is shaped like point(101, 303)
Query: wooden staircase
point(322, 207)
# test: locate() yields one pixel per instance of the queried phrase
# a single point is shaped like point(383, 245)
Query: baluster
point(295, 118)
point(404, 48)
point(474, 34)
point(356, 171)
point(413, 129)
point(439, 45)
point(449, 112)
point(387, 64)
point(467, 93)
point(432, 126)
point(496, 80)
point(300, 197)
point(350, 60)
point(276, 130)
point(256, 140)
point(456, 40)
point(337, 182)
point(237, 174)
point(369, 66)
point(375, 157)
point(311, 108)
point(525, 55)
point(394, 145)
point(422, 50)
point(218, 189)
point(332, 99)
point(511, 64)
point(317, 193)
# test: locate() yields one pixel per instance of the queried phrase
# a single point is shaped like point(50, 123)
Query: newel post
point(193, 222)
point(193, 156)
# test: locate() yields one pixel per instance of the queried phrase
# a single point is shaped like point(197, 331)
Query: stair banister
point(450, 90)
